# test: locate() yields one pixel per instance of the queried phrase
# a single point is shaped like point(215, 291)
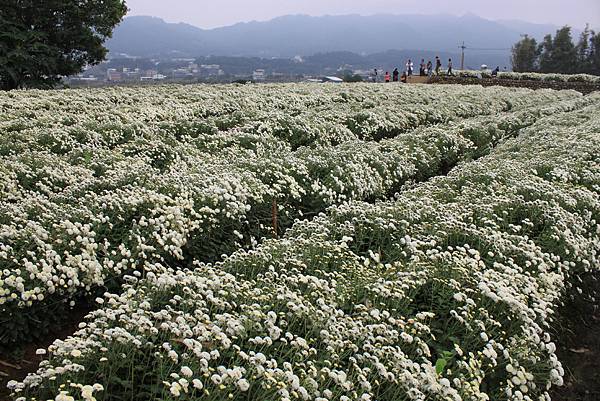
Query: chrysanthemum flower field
point(295, 242)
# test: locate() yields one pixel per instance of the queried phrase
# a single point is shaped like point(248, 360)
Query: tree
point(594, 54)
point(583, 50)
point(559, 54)
point(524, 55)
point(349, 77)
point(545, 54)
point(43, 40)
point(564, 53)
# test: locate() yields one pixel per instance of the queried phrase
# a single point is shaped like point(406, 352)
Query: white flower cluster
point(445, 293)
point(532, 76)
point(190, 172)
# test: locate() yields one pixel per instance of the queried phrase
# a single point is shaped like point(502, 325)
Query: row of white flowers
point(532, 76)
point(85, 197)
point(445, 293)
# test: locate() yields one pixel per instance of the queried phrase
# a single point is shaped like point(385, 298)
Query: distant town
point(184, 71)
point(122, 69)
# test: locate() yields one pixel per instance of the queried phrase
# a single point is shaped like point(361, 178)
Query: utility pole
point(462, 56)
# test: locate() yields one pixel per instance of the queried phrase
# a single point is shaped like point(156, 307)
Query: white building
point(259, 75)
point(210, 70)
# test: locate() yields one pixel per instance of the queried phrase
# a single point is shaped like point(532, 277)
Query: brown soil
point(22, 362)
point(578, 347)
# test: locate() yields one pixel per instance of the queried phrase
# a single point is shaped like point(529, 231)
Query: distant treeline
point(559, 54)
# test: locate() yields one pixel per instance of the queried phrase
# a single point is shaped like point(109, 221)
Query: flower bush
point(446, 292)
point(534, 76)
point(530, 76)
point(191, 173)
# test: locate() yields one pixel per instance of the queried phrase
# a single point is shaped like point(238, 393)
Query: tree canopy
point(525, 54)
point(558, 54)
point(43, 40)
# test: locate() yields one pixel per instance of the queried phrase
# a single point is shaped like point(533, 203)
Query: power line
point(498, 49)
point(463, 48)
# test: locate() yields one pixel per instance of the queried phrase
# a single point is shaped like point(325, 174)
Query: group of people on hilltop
point(425, 70)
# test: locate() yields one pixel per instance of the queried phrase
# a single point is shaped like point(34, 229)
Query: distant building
point(334, 80)
point(324, 80)
point(193, 68)
point(148, 75)
point(210, 70)
point(182, 73)
point(113, 75)
point(132, 74)
point(259, 75)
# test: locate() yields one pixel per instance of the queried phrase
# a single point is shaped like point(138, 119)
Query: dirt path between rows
point(578, 344)
point(25, 361)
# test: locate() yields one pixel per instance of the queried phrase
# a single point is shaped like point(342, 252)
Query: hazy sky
point(209, 14)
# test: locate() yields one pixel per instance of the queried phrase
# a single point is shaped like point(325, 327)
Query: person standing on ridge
point(409, 67)
point(422, 68)
point(387, 77)
point(429, 68)
point(395, 75)
point(375, 73)
point(450, 67)
point(438, 65)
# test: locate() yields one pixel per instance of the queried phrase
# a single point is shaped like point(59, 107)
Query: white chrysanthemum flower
point(186, 371)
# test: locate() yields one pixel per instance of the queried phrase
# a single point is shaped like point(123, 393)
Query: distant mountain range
point(293, 35)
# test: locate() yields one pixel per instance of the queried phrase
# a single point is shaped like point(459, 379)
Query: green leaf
point(440, 365)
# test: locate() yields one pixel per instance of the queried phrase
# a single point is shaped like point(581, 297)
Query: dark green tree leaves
point(525, 55)
point(558, 54)
point(43, 40)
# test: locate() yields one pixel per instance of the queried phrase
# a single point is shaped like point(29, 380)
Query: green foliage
point(525, 54)
point(583, 48)
point(558, 54)
point(563, 57)
point(34, 325)
point(352, 78)
point(442, 362)
point(40, 41)
point(594, 54)
point(545, 52)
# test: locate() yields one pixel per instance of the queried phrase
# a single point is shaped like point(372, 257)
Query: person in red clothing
point(387, 76)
